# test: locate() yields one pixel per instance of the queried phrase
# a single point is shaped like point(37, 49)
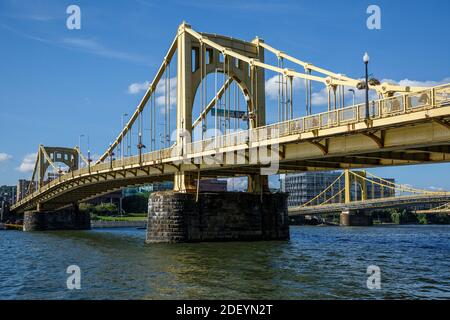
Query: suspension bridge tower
point(197, 59)
point(184, 214)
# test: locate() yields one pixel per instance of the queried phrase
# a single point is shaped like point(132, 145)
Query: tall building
point(22, 188)
point(8, 193)
point(303, 187)
point(53, 176)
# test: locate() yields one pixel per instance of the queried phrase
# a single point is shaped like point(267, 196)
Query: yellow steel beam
point(151, 89)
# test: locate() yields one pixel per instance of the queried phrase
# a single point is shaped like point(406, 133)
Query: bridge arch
point(196, 60)
point(234, 103)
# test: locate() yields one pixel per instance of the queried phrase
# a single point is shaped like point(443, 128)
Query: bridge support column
point(184, 182)
point(355, 218)
point(258, 183)
point(65, 219)
point(222, 216)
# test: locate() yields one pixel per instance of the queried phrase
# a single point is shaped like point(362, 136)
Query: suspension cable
point(323, 191)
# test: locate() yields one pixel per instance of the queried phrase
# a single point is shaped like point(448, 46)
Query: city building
point(53, 176)
point(302, 187)
point(22, 188)
point(212, 185)
point(8, 193)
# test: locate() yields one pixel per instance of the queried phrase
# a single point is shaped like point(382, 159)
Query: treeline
point(399, 216)
point(137, 203)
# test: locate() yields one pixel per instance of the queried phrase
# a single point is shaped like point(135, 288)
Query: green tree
point(105, 209)
point(137, 203)
point(422, 218)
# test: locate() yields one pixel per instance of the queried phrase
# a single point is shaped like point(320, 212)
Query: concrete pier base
point(222, 216)
point(355, 218)
point(65, 219)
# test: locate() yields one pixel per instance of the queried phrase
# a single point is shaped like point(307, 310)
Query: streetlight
point(121, 141)
point(366, 62)
point(353, 92)
point(140, 146)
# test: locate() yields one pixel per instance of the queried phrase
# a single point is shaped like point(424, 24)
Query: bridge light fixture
point(374, 82)
point(366, 58)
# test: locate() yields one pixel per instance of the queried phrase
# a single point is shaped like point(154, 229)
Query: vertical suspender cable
point(229, 97)
point(310, 93)
point(279, 91)
point(256, 98)
point(334, 94)
point(165, 108)
point(291, 116)
point(154, 123)
point(201, 89)
point(215, 107)
point(168, 106)
point(329, 98)
point(205, 87)
point(151, 122)
point(236, 114)
point(306, 95)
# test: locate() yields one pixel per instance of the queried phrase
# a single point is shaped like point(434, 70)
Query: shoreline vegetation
point(380, 217)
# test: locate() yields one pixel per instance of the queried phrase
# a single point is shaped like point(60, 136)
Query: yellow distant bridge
point(337, 197)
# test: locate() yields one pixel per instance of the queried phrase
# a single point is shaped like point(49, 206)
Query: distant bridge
point(322, 203)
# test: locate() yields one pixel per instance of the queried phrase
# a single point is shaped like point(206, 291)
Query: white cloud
point(321, 97)
point(272, 86)
point(436, 188)
point(28, 162)
point(415, 83)
point(139, 87)
point(5, 157)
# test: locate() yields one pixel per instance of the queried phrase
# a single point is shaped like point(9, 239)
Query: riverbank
point(118, 224)
point(131, 221)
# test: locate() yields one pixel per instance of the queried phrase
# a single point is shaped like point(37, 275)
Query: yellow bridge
point(214, 137)
point(337, 197)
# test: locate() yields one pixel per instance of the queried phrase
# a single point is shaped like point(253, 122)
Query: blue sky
point(56, 84)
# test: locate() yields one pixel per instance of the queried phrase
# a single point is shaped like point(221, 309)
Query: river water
point(317, 263)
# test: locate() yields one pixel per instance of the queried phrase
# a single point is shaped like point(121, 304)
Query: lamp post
point(353, 92)
point(366, 62)
point(140, 146)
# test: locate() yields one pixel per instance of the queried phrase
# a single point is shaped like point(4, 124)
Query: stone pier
point(355, 218)
point(222, 216)
point(65, 219)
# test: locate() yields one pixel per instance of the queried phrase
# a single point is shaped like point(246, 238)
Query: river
point(317, 263)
